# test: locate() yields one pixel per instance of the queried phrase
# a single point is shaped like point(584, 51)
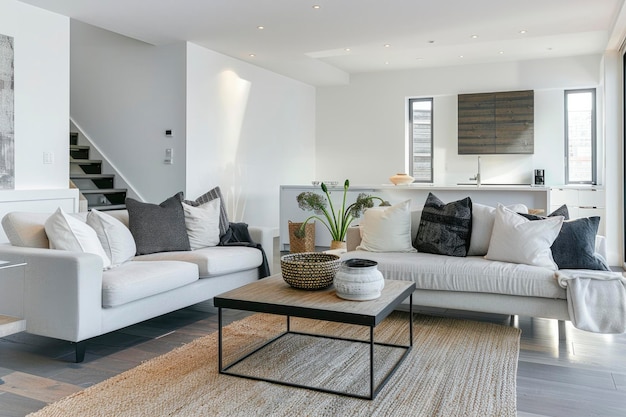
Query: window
point(580, 136)
point(421, 139)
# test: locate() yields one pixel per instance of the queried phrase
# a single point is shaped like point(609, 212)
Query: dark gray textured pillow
point(575, 246)
point(158, 227)
point(212, 195)
point(445, 229)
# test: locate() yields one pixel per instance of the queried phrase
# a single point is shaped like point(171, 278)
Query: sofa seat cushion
point(469, 274)
point(213, 261)
point(133, 281)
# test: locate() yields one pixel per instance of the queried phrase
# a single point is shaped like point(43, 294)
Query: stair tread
point(79, 147)
point(109, 207)
point(85, 161)
point(102, 190)
point(91, 176)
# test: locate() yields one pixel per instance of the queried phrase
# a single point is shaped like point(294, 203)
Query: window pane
point(580, 114)
point(421, 160)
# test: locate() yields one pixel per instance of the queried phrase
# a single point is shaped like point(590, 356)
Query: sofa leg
point(561, 329)
point(80, 348)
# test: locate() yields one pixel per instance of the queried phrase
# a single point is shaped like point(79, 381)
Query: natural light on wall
point(233, 101)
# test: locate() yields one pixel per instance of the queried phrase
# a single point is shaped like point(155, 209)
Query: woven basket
point(301, 244)
point(309, 270)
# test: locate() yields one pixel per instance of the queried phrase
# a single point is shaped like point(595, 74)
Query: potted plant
point(336, 221)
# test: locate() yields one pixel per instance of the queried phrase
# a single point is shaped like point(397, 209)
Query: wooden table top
point(274, 295)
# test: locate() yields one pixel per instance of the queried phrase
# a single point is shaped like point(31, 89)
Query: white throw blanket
point(596, 300)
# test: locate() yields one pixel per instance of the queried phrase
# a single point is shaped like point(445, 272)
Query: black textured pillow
point(575, 246)
point(445, 229)
point(158, 227)
point(561, 211)
point(212, 195)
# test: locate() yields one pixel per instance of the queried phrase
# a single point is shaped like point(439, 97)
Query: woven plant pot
point(301, 244)
point(309, 270)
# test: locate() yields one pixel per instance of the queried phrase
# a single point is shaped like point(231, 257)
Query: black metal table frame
point(374, 390)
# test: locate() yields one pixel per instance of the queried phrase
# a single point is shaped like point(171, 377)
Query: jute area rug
point(456, 368)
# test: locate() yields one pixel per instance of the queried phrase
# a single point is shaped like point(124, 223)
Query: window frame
point(594, 136)
point(410, 125)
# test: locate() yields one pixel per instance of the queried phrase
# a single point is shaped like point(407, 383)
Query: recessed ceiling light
point(523, 31)
point(474, 36)
point(460, 56)
point(251, 55)
point(386, 62)
point(347, 49)
point(501, 52)
point(387, 45)
point(317, 6)
point(260, 27)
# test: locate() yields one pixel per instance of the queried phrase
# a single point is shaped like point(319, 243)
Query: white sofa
point(472, 283)
point(68, 296)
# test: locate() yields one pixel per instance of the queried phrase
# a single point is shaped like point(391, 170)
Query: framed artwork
point(7, 114)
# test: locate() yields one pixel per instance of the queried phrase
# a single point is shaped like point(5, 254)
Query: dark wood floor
point(582, 375)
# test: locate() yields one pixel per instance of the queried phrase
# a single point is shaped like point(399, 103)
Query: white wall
point(124, 95)
point(41, 43)
point(361, 126)
point(249, 131)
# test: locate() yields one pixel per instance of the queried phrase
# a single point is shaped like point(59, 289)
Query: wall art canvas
point(7, 112)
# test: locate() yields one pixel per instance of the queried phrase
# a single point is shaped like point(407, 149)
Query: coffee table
point(273, 295)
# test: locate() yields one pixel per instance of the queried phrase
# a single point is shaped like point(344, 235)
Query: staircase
point(86, 174)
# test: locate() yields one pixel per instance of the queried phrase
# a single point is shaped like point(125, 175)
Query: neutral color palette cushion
point(68, 233)
point(203, 224)
point(210, 195)
point(116, 239)
point(26, 229)
point(470, 274)
point(136, 280)
point(213, 261)
point(517, 239)
point(482, 225)
point(387, 229)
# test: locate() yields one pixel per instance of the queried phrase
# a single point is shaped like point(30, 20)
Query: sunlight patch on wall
point(233, 94)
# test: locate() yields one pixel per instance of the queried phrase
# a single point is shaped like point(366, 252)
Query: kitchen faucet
point(477, 176)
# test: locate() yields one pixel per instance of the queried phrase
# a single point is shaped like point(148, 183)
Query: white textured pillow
point(482, 226)
point(203, 224)
point(68, 233)
point(519, 240)
point(387, 229)
point(117, 241)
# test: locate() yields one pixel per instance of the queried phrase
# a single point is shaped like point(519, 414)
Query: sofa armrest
point(265, 236)
point(62, 291)
point(353, 238)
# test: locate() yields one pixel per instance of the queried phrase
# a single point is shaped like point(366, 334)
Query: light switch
point(48, 157)
point(169, 156)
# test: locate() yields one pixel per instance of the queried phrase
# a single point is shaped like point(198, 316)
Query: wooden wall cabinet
point(496, 123)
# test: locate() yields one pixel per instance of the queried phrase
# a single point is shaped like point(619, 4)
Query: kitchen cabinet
point(496, 123)
point(581, 202)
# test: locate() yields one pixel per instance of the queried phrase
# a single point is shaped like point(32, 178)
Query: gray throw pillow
point(445, 229)
point(212, 195)
point(575, 246)
point(158, 227)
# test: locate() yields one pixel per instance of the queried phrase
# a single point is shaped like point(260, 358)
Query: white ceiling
point(310, 44)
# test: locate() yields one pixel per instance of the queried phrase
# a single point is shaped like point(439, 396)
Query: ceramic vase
point(359, 280)
point(401, 179)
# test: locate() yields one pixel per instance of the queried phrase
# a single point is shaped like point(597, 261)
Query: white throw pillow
point(203, 224)
point(117, 241)
point(519, 240)
point(387, 229)
point(482, 226)
point(68, 233)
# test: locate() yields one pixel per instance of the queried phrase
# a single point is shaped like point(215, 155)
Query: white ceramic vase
point(359, 280)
